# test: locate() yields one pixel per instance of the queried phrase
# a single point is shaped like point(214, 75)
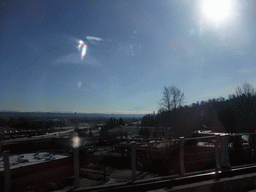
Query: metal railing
point(201, 157)
point(192, 155)
point(178, 158)
point(7, 171)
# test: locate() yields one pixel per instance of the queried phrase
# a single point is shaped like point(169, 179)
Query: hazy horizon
point(58, 112)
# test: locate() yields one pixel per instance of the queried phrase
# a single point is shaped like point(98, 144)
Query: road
point(48, 135)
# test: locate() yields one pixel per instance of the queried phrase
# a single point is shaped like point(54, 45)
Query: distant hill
point(8, 114)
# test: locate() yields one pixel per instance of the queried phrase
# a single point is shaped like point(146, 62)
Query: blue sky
point(135, 48)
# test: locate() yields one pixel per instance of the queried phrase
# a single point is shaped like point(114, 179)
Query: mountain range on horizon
point(7, 113)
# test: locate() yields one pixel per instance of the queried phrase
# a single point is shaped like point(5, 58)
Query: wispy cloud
point(246, 70)
point(94, 40)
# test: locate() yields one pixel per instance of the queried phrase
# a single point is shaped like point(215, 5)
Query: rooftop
point(28, 159)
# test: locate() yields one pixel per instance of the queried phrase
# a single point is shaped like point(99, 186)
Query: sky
point(133, 50)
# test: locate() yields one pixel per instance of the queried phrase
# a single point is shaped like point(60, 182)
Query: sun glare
point(217, 10)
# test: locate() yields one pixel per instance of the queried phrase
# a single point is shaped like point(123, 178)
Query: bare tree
point(172, 98)
point(165, 102)
point(246, 89)
point(231, 96)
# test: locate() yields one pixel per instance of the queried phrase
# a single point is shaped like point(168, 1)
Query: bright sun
point(217, 10)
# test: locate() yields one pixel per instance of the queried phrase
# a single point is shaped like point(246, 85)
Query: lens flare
point(76, 142)
point(80, 44)
point(83, 51)
point(82, 47)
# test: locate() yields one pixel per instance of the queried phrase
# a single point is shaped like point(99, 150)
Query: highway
point(48, 135)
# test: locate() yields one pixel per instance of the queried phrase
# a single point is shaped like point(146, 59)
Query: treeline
point(183, 121)
point(110, 124)
point(235, 114)
point(32, 124)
